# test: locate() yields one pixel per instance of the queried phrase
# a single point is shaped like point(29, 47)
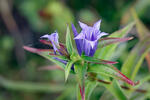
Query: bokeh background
point(22, 22)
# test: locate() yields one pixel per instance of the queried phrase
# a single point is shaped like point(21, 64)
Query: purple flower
point(87, 40)
point(53, 38)
point(60, 60)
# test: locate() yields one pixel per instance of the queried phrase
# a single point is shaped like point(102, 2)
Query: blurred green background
point(22, 22)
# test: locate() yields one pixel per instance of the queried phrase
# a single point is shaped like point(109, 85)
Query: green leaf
point(111, 40)
point(89, 87)
point(141, 28)
point(142, 31)
point(97, 61)
point(67, 69)
point(51, 58)
point(143, 80)
point(115, 89)
point(69, 42)
point(108, 51)
point(46, 54)
point(110, 71)
point(134, 60)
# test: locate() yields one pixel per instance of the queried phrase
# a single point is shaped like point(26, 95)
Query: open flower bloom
point(87, 39)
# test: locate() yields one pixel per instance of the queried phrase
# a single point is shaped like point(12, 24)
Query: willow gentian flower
point(86, 43)
point(87, 39)
point(53, 38)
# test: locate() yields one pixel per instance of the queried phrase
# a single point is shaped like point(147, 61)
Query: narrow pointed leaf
point(110, 71)
point(111, 40)
point(142, 31)
point(89, 87)
point(97, 61)
point(141, 28)
point(45, 42)
point(53, 67)
point(134, 60)
point(45, 53)
point(34, 50)
point(108, 51)
point(60, 47)
point(68, 41)
point(51, 58)
point(115, 89)
point(67, 69)
point(48, 51)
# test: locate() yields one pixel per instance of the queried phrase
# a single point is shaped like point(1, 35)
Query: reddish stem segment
point(82, 92)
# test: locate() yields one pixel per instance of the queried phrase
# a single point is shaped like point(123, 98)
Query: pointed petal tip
point(97, 24)
point(80, 36)
point(72, 24)
point(44, 36)
point(82, 25)
point(74, 30)
point(104, 33)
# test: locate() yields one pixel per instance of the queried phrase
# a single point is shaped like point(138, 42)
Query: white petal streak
point(97, 25)
point(82, 25)
point(80, 36)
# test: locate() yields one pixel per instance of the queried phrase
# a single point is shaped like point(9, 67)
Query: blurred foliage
point(36, 17)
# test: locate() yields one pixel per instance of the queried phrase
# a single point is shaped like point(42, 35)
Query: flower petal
point(86, 47)
point(101, 34)
point(45, 36)
point(78, 42)
point(89, 37)
point(97, 25)
point(82, 25)
point(92, 51)
point(80, 36)
point(60, 60)
point(54, 40)
point(74, 30)
point(92, 43)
